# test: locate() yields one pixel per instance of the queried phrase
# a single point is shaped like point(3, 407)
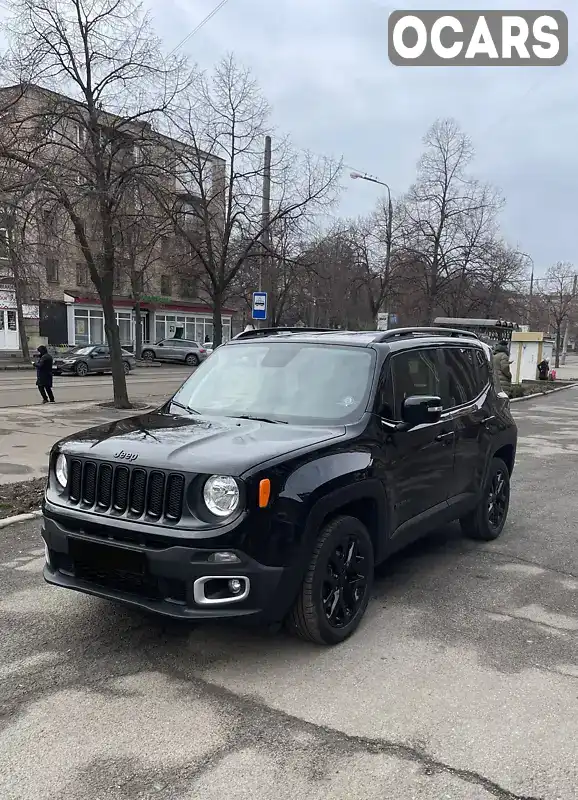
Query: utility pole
point(264, 272)
point(530, 299)
point(567, 328)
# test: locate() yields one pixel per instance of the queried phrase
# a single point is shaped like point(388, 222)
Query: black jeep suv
point(286, 468)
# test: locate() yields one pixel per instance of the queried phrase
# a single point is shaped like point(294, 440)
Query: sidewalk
point(27, 434)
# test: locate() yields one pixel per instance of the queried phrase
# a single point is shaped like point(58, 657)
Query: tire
point(309, 618)
point(81, 369)
point(192, 360)
point(126, 367)
point(487, 521)
point(147, 355)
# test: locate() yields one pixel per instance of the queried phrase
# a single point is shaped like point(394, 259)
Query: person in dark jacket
point(44, 375)
point(543, 370)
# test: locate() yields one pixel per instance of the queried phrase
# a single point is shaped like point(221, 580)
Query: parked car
point(93, 358)
point(277, 477)
point(179, 350)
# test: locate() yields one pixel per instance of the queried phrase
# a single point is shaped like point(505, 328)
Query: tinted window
point(468, 374)
point(415, 372)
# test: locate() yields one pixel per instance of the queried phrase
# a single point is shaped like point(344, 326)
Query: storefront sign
point(8, 303)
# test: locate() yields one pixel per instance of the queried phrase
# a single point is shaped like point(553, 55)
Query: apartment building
point(61, 303)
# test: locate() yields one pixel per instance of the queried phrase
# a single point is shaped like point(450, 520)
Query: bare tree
point(88, 152)
point(223, 131)
point(446, 212)
point(559, 295)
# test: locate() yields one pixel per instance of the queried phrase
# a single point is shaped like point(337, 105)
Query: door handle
point(445, 436)
point(486, 420)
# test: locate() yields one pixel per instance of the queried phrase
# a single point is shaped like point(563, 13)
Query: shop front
point(159, 321)
point(9, 334)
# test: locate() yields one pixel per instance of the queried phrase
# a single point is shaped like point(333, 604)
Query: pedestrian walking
point(502, 365)
point(44, 375)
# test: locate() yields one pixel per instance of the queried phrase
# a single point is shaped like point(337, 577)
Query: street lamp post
point(389, 227)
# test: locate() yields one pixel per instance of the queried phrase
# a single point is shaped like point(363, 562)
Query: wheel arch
point(365, 500)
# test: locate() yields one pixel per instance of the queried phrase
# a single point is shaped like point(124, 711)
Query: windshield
point(81, 351)
point(288, 381)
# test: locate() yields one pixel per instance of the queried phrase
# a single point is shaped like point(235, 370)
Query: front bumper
point(164, 580)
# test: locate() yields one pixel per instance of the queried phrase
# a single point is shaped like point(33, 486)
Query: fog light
point(235, 586)
point(224, 558)
point(47, 554)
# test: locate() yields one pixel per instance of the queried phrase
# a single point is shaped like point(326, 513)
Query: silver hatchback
point(184, 351)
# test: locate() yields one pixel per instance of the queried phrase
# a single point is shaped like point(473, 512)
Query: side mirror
point(421, 410)
point(160, 344)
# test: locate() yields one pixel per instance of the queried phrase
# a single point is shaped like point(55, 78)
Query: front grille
point(133, 491)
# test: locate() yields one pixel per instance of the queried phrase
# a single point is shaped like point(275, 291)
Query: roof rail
point(402, 333)
point(279, 331)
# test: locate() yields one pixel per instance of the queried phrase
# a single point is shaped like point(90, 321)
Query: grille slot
point(122, 489)
point(75, 481)
point(138, 485)
point(174, 497)
point(104, 486)
point(89, 483)
point(156, 494)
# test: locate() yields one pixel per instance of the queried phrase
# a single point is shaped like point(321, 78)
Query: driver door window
point(414, 372)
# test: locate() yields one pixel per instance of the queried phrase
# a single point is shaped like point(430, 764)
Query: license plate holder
point(106, 558)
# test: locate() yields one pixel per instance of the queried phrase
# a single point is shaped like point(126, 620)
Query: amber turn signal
point(264, 492)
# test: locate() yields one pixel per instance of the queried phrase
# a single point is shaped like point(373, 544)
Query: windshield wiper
point(185, 408)
point(262, 419)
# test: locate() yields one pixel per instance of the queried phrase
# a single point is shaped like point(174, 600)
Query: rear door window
point(468, 374)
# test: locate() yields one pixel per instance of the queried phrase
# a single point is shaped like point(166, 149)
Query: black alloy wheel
point(81, 369)
point(126, 367)
point(487, 521)
point(337, 586)
point(498, 501)
point(192, 360)
point(148, 355)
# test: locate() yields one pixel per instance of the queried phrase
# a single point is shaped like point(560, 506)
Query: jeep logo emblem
point(126, 456)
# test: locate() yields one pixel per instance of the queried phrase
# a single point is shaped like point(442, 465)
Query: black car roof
point(397, 336)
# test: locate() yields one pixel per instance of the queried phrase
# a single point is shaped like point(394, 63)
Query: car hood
point(211, 445)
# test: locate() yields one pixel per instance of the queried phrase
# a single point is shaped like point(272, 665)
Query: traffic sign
point(382, 321)
point(259, 305)
point(393, 319)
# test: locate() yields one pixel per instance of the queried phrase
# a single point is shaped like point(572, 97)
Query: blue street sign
point(393, 319)
point(259, 305)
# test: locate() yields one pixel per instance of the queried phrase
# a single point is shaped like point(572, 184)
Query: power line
point(201, 24)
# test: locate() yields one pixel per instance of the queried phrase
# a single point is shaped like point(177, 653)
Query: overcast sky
point(323, 66)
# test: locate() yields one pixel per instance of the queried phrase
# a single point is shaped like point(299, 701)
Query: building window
point(187, 287)
point(4, 244)
point(166, 285)
point(88, 326)
point(82, 275)
point(124, 322)
point(51, 270)
point(196, 328)
point(80, 136)
point(117, 282)
point(165, 247)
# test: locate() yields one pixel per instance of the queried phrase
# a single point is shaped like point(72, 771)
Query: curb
point(4, 523)
point(543, 394)
point(30, 367)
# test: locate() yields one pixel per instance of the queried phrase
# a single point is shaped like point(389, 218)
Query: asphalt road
point(461, 684)
point(18, 388)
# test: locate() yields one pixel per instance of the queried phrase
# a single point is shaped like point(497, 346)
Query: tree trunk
point(137, 329)
point(217, 320)
point(113, 338)
point(558, 345)
point(16, 274)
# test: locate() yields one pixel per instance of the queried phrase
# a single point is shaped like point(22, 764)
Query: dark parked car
point(93, 358)
point(179, 350)
point(285, 469)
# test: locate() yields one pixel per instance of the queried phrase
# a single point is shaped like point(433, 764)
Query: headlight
point(221, 495)
point(61, 470)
